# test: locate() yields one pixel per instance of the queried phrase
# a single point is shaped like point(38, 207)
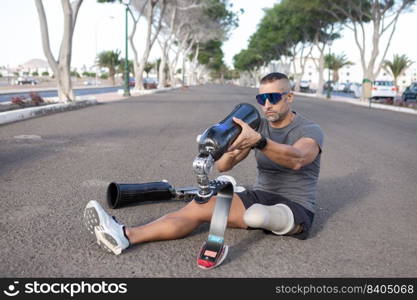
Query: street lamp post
point(329, 87)
point(126, 85)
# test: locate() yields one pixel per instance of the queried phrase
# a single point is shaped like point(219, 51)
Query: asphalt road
point(51, 166)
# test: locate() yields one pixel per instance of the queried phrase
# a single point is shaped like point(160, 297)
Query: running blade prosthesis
point(214, 251)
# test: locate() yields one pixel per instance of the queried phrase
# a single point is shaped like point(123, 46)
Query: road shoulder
point(360, 103)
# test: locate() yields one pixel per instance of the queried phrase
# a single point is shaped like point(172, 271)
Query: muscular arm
point(296, 156)
point(230, 159)
point(302, 153)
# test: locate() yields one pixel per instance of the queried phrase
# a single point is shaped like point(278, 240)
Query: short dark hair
point(271, 77)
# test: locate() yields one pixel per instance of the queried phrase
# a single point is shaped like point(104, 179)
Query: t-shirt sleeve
point(314, 132)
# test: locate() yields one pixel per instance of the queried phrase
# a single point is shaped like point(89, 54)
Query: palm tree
point(398, 65)
point(148, 67)
point(335, 63)
point(121, 67)
point(110, 60)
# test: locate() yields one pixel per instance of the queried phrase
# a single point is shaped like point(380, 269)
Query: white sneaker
point(108, 232)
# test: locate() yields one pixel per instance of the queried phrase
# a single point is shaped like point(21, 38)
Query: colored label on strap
point(210, 253)
point(215, 239)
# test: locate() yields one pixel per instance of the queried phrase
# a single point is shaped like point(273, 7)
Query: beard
point(275, 116)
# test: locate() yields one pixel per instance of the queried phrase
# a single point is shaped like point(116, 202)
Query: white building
point(34, 65)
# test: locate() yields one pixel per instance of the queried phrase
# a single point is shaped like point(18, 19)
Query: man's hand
point(246, 139)
point(230, 159)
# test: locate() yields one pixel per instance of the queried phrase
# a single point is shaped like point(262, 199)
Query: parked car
point(92, 82)
point(150, 83)
point(353, 88)
point(347, 88)
point(383, 89)
point(356, 89)
point(410, 93)
point(305, 86)
point(26, 80)
point(339, 86)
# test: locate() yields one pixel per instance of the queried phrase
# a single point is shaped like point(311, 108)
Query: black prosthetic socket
point(119, 195)
point(218, 138)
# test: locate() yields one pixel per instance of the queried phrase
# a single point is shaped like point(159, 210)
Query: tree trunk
point(173, 68)
point(192, 72)
point(397, 90)
point(132, 44)
point(185, 59)
point(112, 73)
point(64, 86)
point(336, 75)
point(150, 40)
point(61, 66)
point(298, 76)
point(165, 47)
point(321, 76)
point(173, 64)
point(162, 65)
point(303, 60)
point(183, 69)
point(320, 66)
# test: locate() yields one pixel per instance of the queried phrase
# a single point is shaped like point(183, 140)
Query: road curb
point(35, 89)
point(361, 103)
point(135, 92)
point(32, 112)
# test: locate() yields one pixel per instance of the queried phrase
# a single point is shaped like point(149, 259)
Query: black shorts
point(302, 216)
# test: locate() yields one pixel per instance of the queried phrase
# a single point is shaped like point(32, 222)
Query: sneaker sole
point(104, 240)
point(107, 241)
point(91, 219)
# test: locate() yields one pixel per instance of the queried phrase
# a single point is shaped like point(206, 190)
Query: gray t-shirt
point(299, 186)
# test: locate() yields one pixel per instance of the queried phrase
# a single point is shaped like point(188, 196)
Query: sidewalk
point(34, 88)
point(81, 101)
point(359, 102)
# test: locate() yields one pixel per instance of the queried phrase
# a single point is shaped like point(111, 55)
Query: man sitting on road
point(287, 150)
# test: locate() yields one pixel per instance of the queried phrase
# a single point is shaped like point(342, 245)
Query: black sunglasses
point(273, 98)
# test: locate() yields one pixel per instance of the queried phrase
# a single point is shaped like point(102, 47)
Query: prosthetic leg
point(122, 194)
point(212, 144)
point(215, 141)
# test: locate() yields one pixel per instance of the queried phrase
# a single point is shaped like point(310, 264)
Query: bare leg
point(180, 223)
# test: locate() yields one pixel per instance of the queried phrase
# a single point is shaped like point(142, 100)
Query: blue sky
point(101, 27)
